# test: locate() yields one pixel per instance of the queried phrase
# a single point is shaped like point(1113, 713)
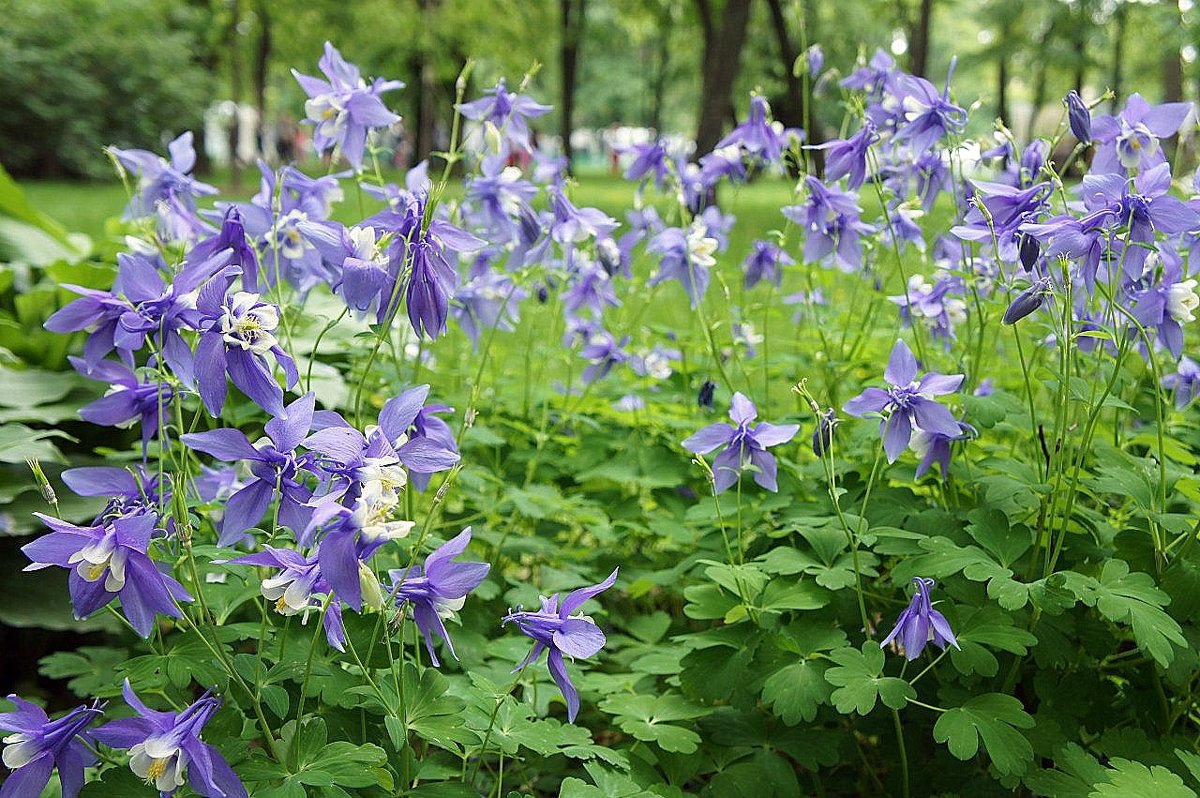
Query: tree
point(572, 21)
point(722, 51)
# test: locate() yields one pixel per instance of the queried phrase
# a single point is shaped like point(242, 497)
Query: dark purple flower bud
point(1030, 250)
point(705, 397)
point(543, 294)
point(1079, 117)
point(822, 437)
point(1027, 302)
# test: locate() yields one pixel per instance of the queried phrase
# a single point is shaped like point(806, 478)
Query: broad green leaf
point(995, 719)
point(858, 677)
point(1127, 779)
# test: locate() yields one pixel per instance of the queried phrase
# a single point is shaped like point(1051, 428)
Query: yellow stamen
point(156, 769)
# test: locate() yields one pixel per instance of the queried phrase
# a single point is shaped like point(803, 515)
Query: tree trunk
point(659, 87)
point(261, 70)
point(919, 40)
point(1039, 80)
point(1080, 44)
point(719, 73)
point(1172, 72)
point(573, 14)
point(427, 106)
point(799, 100)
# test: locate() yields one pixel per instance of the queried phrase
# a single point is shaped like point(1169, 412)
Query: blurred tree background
point(77, 75)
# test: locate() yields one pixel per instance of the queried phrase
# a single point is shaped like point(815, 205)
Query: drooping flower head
point(166, 189)
point(920, 623)
point(439, 589)
point(560, 630)
point(1185, 381)
point(343, 107)
point(165, 748)
point(745, 445)
point(37, 745)
point(106, 562)
point(907, 402)
point(765, 262)
point(506, 113)
point(297, 587)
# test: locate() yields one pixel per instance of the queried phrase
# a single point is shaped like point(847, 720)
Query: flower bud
point(1079, 117)
point(705, 397)
point(822, 436)
point(1030, 250)
point(1027, 302)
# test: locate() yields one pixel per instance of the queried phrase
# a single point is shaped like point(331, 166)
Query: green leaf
point(995, 719)
point(89, 668)
point(1127, 779)
point(860, 683)
point(1133, 598)
point(796, 691)
point(648, 719)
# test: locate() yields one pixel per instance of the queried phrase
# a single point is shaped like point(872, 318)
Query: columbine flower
point(1167, 305)
point(920, 623)
point(822, 437)
point(127, 400)
point(907, 402)
point(604, 352)
point(106, 562)
point(164, 746)
point(848, 157)
point(297, 587)
point(933, 447)
point(1185, 381)
point(343, 108)
point(38, 745)
point(166, 189)
point(758, 136)
point(488, 298)
point(554, 627)
point(439, 590)
point(744, 445)
point(129, 491)
point(765, 263)
point(505, 113)
point(274, 464)
point(1130, 140)
point(928, 116)
point(573, 225)
point(686, 256)
point(228, 247)
point(237, 332)
point(831, 220)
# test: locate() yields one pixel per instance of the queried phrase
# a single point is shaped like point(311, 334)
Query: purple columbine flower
point(343, 107)
point(166, 189)
point(831, 220)
point(229, 247)
point(438, 590)
point(109, 561)
point(686, 256)
point(764, 263)
point(557, 629)
point(573, 225)
point(1185, 381)
point(164, 747)
point(237, 332)
point(655, 364)
point(908, 402)
point(823, 429)
point(604, 352)
point(488, 299)
point(274, 465)
point(920, 623)
point(745, 445)
point(848, 157)
point(497, 198)
point(38, 745)
point(933, 447)
point(928, 116)
point(1130, 140)
point(297, 587)
point(759, 137)
point(506, 113)
point(998, 211)
point(140, 306)
point(1166, 305)
point(591, 288)
point(128, 400)
point(649, 159)
point(814, 59)
point(934, 305)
